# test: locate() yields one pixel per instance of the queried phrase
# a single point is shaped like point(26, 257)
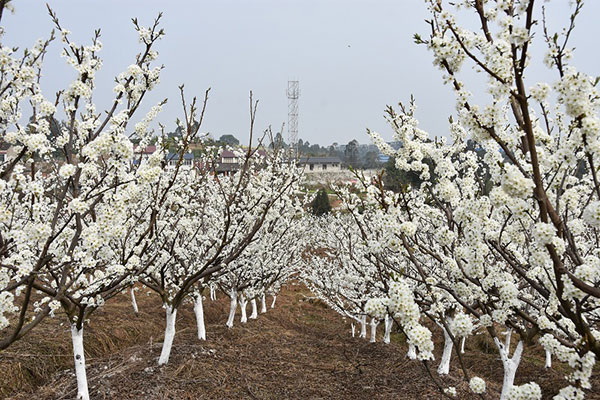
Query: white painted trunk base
point(353, 327)
point(199, 311)
point(169, 335)
point(243, 303)
point(274, 299)
point(133, 302)
point(254, 314)
point(374, 324)
point(510, 364)
point(79, 358)
point(388, 329)
point(462, 345)
point(444, 367)
point(363, 327)
point(213, 293)
point(548, 363)
point(263, 304)
point(232, 307)
point(412, 352)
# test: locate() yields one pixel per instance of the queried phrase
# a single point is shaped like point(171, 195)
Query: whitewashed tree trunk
point(444, 367)
point(243, 303)
point(510, 364)
point(213, 293)
point(462, 345)
point(353, 328)
point(133, 302)
point(79, 357)
point(274, 299)
point(548, 363)
point(363, 327)
point(169, 335)
point(388, 329)
point(374, 324)
point(254, 314)
point(199, 311)
point(232, 307)
point(412, 352)
point(263, 304)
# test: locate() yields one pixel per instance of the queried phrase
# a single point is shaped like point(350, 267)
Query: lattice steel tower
point(293, 93)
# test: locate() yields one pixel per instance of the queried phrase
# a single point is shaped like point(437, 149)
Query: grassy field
point(298, 350)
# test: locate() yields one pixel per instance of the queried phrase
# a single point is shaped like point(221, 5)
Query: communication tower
point(293, 94)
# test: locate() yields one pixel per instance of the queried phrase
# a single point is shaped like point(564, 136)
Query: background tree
point(370, 160)
point(229, 139)
point(395, 179)
point(320, 205)
point(278, 142)
point(351, 153)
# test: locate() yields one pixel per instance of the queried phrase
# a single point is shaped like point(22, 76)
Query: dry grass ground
point(298, 350)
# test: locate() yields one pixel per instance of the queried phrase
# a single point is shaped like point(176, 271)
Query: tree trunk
point(462, 345)
point(243, 303)
point(353, 328)
point(374, 324)
point(548, 363)
point(273, 303)
point(133, 302)
point(412, 352)
point(444, 367)
point(199, 311)
point(213, 293)
point(232, 307)
point(254, 314)
point(263, 304)
point(388, 329)
point(510, 364)
point(169, 335)
point(363, 326)
point(79, 357)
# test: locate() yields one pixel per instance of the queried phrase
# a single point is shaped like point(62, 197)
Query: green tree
point(320, 205)
point(278, 142)
point(371, 160)
point(397, 180)
point(351, 153)
point(229, 139)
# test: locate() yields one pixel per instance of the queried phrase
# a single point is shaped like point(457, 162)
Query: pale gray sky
point(351, 57)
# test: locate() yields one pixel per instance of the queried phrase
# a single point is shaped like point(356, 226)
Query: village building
point(142, 153)
point(320, 164)
point(173, 158)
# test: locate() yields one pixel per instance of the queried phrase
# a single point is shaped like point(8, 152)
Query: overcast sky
point(352, 58)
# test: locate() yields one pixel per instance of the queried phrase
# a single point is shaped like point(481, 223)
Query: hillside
point(298, 350)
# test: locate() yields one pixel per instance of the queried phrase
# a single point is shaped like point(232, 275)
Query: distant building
point(320, 164)
point(229, 157)
point(173, 158)
point(230, 162)
point(382, 158)
point(142, 153)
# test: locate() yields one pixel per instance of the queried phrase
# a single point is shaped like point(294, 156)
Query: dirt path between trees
point(298, 350)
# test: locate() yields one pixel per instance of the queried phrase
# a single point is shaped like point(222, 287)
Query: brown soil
point(298, 350)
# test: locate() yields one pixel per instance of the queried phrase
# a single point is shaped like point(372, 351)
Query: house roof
point(319, 160)
point(145, 150)
point(227, 154)
point(175, 156)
